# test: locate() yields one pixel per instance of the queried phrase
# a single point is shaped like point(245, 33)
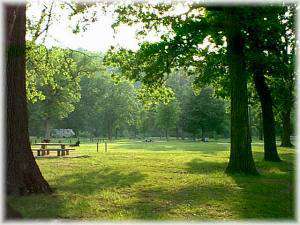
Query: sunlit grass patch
point(161, 180)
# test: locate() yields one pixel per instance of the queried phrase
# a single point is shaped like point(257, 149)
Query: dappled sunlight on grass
point(170, 180)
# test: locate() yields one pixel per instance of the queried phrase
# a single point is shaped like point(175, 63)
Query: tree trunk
point(47, 128)
point(22, 173)
point(241, 159)
point(264, 93)
point(177, 132)
point(286, 125)
point(116, 134)
point(166, 133)
point(250, 123)
point(109, 131)
point(260, 130)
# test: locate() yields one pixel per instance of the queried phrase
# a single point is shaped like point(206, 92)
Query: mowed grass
point(161, 181)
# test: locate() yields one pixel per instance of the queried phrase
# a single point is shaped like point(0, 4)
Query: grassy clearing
point(161, 180)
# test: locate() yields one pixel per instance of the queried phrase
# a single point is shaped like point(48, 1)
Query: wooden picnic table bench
point(62, 151)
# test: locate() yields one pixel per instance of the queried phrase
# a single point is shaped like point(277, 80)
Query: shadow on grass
point(71, 187)
point(254, 200)
point(160, 203)
point(199, 166)
point(88, 183)
point(206, 148)
point(259, 199)
point(40, 206)
point(204, 167)
point(61, 157)
point(269, 196)
point(287, 164)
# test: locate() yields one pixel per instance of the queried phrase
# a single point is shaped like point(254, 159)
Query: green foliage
point(123, 64)
point(167, 116)
point(205, 113)
point(195, 39)
point(182, 33)
point(282, 71)
point(104, 105)
point(52, 81)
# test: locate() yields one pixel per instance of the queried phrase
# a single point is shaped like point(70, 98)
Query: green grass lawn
point(161, 181)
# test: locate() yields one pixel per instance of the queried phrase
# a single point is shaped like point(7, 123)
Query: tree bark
point(260, 132)
point(250, 123)
point(264, 93)
point(116, 134)
point(241, 158)
point(135, 132)
point(109, 130)
point(22, 173)
point(47, 128)
point(177, 132)
point(286, 125)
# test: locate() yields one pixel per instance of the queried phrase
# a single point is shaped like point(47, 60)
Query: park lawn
point(174, 180)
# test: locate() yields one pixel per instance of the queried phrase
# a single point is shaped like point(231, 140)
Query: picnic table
point(43, 150)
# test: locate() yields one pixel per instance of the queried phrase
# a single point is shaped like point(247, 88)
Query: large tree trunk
point(22, 173)
point(270, 150)
point(286, 125)
point(241, 159)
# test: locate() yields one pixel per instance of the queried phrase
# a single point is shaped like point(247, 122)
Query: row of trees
point(63, 92)
point(255, 43)
point(81, 94)
point(250, 44)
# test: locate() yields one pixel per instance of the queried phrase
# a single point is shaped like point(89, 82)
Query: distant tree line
point(82, 94)
point(88, 99)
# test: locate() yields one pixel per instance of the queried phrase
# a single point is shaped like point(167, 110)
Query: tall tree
point(22, 173)
point(258, 35)
point(204, 113)
point(105, 106)
point(180, 43)
point(263, 33)
point(181, 85)
point(167, 116)
point(241, 159)
point(283, 74)
point(53, 76)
